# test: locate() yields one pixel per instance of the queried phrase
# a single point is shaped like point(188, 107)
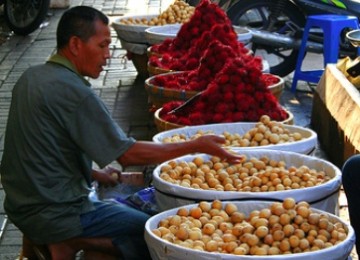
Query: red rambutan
point(184, 121)
point(222, 108)
point(217, 117)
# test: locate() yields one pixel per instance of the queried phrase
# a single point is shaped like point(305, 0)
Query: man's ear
point(75, 45)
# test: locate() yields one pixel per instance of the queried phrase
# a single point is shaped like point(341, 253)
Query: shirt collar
point(62, 61)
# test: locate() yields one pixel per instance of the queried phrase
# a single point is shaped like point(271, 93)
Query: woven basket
point(158, 96)
point(163, 125)
point(157, 70)
point(152, 53)
point(277, 89)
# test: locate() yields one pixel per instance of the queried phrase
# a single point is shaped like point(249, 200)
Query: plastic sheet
point(137, 197)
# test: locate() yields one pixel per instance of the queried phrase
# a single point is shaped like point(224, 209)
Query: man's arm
point(147, 153)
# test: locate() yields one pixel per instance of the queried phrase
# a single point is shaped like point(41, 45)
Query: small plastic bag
point(144, 200)
point(136, 197)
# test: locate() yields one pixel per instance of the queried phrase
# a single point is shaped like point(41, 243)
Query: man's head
point(83, 36)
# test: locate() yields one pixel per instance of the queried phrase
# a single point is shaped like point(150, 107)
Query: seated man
point(57, 126)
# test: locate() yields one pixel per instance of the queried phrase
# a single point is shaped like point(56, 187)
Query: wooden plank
point(342, 100)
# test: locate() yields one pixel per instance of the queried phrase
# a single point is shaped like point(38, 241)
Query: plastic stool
point(332, 26)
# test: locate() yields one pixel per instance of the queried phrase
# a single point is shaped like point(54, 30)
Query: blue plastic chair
point(332, 26)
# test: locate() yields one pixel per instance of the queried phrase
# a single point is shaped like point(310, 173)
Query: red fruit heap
point(205, 16)
point(213, 60)
point(178, 80)
point(191, 59)
point(238, 93)
point(269, 79)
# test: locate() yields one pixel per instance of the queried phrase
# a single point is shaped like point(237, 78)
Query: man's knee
point(352, 162)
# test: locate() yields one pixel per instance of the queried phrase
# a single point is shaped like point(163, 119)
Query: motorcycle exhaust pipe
point(279, 40)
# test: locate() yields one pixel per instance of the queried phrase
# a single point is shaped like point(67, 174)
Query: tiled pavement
point(119, 86)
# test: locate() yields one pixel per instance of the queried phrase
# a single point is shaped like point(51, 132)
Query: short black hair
point(78, 21)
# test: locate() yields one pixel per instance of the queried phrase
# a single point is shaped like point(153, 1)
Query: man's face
point(94, 53)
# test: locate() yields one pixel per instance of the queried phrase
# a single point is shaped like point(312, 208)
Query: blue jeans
point(351, 184)
point(123, 224)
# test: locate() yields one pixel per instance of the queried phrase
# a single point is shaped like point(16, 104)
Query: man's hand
point(108, 176)
point(213, 144)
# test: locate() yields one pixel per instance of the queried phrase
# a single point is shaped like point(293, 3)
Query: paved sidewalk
point(119, 86)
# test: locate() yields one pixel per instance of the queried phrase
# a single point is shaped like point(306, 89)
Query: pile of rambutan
point(206, 15)
point(232, 84)
point(212, 61)
point(223, 33)
point(238, 93)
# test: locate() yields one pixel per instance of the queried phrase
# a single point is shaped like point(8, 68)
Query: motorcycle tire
point(254, 14)
point(25, 16)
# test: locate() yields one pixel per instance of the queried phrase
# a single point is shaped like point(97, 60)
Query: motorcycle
point(24, 16)
point(277, 27)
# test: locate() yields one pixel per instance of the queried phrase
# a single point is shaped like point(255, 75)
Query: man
point(57, 127)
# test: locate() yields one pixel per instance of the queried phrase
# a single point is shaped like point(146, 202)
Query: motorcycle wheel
point(255, 14)
point(25, 16)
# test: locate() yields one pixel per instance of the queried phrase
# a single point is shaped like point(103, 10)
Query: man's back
point(41, 160)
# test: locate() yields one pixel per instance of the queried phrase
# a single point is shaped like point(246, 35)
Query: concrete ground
point(119, 86)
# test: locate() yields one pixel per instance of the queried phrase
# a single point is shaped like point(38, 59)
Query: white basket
point(323, 197)
point(304, 146)
point(162, 249)
point(157, 34)
point(131, 33)
point(244, 34)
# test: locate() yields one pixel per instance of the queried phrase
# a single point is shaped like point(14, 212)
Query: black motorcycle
point(24, 16)
point(277, 27)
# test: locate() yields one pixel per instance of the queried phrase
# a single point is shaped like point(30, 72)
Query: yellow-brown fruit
point(195, 212)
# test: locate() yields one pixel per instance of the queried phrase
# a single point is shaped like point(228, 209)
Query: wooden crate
point(133, 178)
point(335, 116)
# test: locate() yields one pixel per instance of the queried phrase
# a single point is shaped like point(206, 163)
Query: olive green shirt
point(57, 127)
